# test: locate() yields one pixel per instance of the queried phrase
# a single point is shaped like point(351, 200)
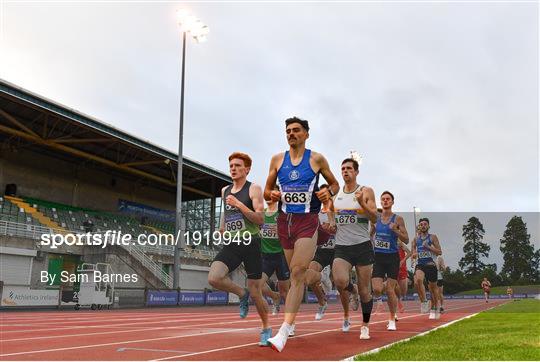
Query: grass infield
point(508, 332)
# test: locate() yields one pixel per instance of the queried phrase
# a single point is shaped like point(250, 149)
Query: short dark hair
point(388, 193)
point(323, 186)
point(354, 162)
point(424, 219)
point(302, 122)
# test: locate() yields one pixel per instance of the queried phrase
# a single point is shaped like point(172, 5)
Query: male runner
point(354, 209)
point(388, 229)
point(486, 287)
point(240, 225)
point(440, 281)
point(403, 275)
point(273, 259)
point(510, 292)
point(297, 171)
point(426, 247)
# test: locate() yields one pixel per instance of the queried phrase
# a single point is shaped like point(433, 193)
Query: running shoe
point(265, 335)
point(292, 330)
point(424, 307)
point(346, 325)
point(441, 310)
point(280, 339)
point(320, 312)
point(391, 326)
point(364, 332)
point(244, 304)
point(432, 314)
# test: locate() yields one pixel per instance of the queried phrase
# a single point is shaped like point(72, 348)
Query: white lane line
point(378, 349)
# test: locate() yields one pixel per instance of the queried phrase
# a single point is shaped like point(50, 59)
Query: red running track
point(206, 333)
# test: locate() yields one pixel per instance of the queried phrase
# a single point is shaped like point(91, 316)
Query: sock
point(350, 288)
point(366, 310)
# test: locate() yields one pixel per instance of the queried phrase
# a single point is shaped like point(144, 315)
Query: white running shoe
point(320, 312)
point(432, 314)
point(437, 314)
point(364, 332)
point(346, 325)
point(391, 325)
point(424, 307)
point(280, 339)
point(292, 330)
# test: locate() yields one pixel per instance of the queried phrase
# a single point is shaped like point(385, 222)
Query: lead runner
point(297, 173)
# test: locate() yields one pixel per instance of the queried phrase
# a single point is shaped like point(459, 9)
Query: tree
point(474, 249)
point(520, 259)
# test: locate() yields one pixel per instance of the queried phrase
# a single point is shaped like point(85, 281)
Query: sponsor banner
point(134, 208)
point(331, 297)
point(156, 297)
point(191, 298)
point(24, 296)
point(217, 298)
point(70, 297)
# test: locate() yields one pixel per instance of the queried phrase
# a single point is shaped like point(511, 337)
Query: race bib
point(346, 217)
point(382, 244)
point(269, 231)
point(296, 195)
point(330, 243)
point(235, 222)
point(424, 254)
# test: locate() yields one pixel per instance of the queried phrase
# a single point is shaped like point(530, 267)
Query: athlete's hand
point(394, 227)
point(275, 195)
point(414, 255)
point(232, 201)
point(323, 195)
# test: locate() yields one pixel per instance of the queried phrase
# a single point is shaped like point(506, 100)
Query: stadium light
point(415, 210)
point(188, 24)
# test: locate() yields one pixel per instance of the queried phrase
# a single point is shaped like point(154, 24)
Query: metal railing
point(29, 231)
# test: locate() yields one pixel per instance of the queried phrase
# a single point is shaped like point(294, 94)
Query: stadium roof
point(49, 127)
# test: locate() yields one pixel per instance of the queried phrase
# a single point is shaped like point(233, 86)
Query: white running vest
point(351, 221)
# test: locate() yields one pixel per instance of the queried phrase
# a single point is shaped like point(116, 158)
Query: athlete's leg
point(341, 271)
point(313, 279)
point(218, 278)
point(419, 284)
point(363, 278)
point(392, 297)
point(255, 291)
point(298, 259)
point(283, 287)
point(267, 292)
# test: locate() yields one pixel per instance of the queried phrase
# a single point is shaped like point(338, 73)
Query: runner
point(425, 247)
point(240, 228)
point(403, 275)
point(486, 287)
point(388, 229)
point(273, 259)
point(510, 293)
point(440, 282)
point(297, 171)
point(323, 258)
point(354, 209)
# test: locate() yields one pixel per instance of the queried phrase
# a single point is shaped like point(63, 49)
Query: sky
point(440, 99)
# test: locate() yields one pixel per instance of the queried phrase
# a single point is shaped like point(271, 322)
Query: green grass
point(518, 289)
point(508, 332)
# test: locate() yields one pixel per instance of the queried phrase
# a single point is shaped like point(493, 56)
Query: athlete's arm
point(400, 230)
point(436, 246)
point(366, 199)
point(414, 250)
point(222, 217)
point(408, 253)
point(256, 196)
point(269, 192)
point(324, 169)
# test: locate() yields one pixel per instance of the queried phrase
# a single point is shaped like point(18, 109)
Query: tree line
point(520, 261)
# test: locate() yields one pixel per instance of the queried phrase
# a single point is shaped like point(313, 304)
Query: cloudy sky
point(440, 99)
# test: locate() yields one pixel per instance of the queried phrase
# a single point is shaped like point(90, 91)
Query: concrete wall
point(81, 185)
